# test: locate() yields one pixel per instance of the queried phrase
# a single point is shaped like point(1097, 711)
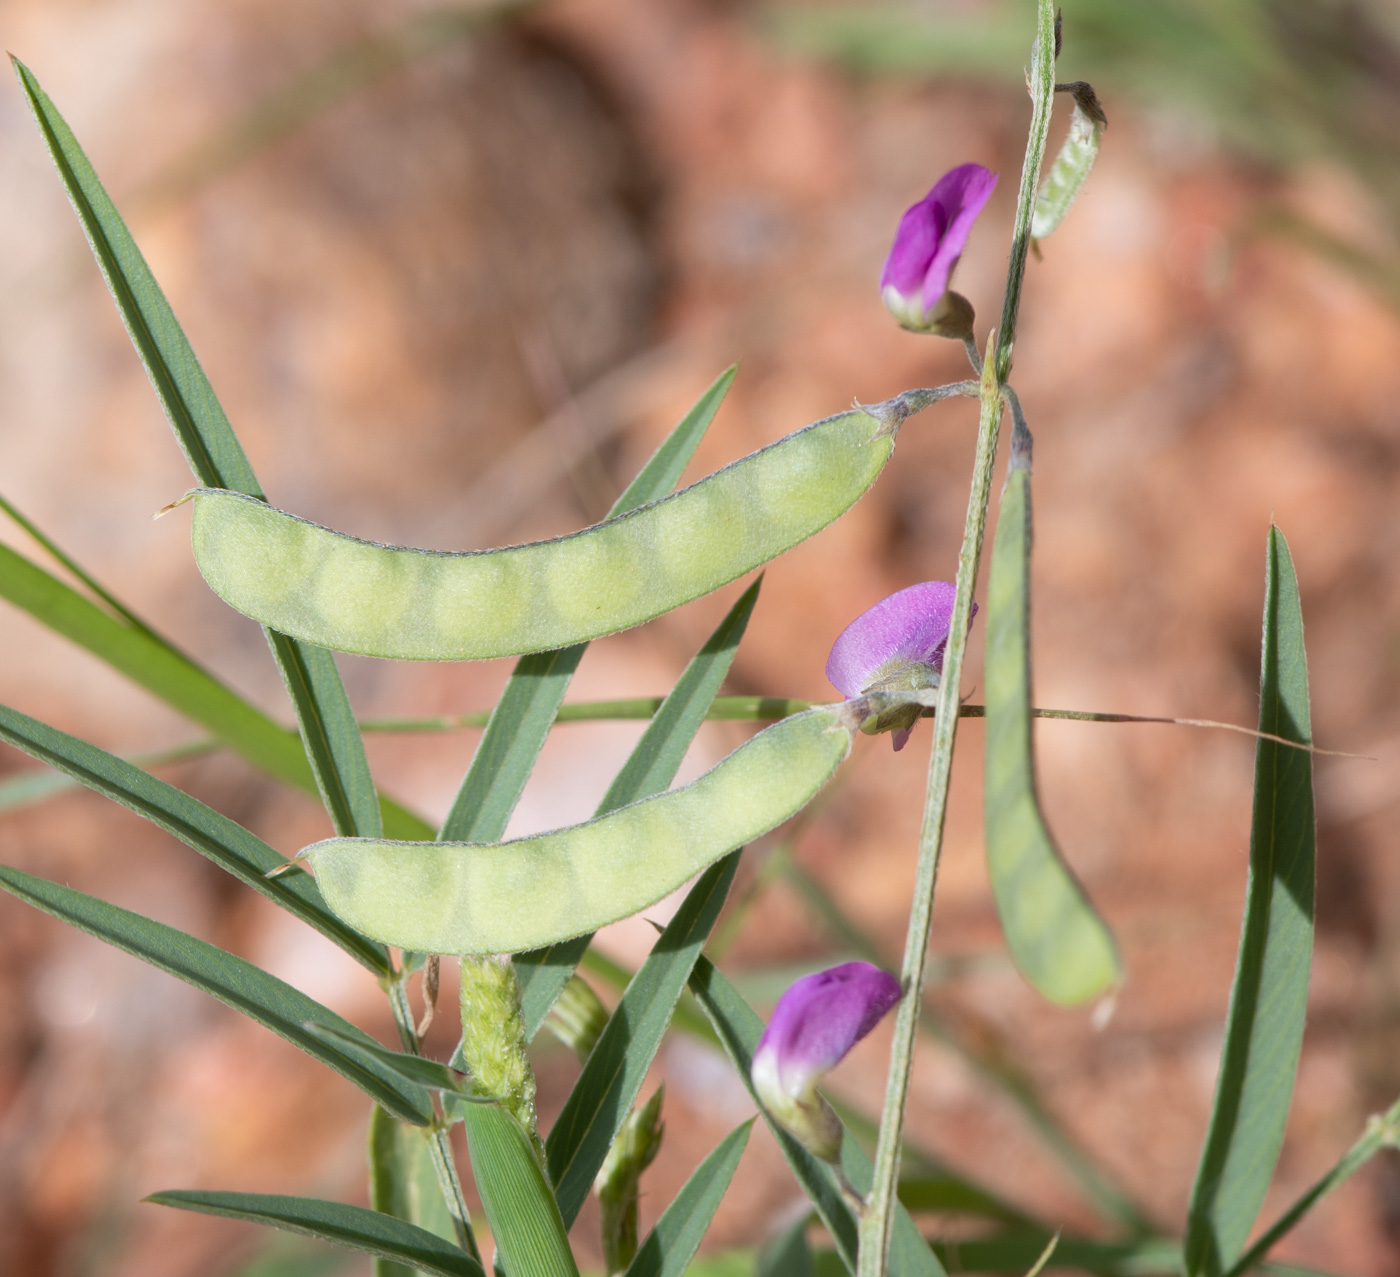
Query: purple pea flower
point(896, 646)
point(931, 237)
point(815, 1024)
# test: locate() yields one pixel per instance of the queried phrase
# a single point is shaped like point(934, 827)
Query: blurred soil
point(579, 223)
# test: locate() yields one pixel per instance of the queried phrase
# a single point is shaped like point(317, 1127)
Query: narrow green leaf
point(524, 1219)
point(415, 1070)
point(291, 1256)
point(403, 1183)
point(155, 665)
point(739, 1028)
point(788, 1254)
point(506, 753)
point(667, 1250)
point(517, 728)
point(1016, 1252)
point(234, 982)
point(222, 840)
point(1268, 1001)
point(69, 564)
point(743, 709)
point(1057, 939)
point(946, 1192)
point(200, 426)
point(1382, 1131)
point(664, 469)
point(727, 1263)
point(33, 785)
point(686, 1017)
point(352, 1226)
point(329, 733)
point(152, 662)
point(617, 1065)
point(649, 769)
point(657, 757)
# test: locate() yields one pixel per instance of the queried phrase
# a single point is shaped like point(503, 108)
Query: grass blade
point(37, 784)
point(667, 1250)
point(132, 648)
point(201, 428)
point(234, 982)
point(506, 753)
point(524, 1219)
point(666, 465)
point(517, 728)
point(1016, 1252)
point(1058, 941)
point(353, 1226)
point(154, 664)
point(788, 1254)
point(416, 1070)
point(657, 758)
point(739, 1028)
point(1268, 1001)
point(946, 1192)
point(216, 837)
point(650, 768)
point(617, 1065)
point(329, 732)
point(1382, 1131)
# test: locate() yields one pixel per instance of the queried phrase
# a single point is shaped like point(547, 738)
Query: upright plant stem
point(440, 1142)
point(879, 1213)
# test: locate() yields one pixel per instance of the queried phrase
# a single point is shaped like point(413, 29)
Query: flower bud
point(634, 1148)
point(816, 1022)
point(578, 1018)
point(493, 1037)
point(931, 237)
point(895, 647)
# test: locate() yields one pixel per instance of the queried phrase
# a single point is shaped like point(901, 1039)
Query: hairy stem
point(876, 1223)
point(440, 1146)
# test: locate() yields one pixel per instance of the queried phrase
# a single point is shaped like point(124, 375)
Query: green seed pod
point(1072, 166)
point(1059, 942)
point(356, 596)
point(507, 897)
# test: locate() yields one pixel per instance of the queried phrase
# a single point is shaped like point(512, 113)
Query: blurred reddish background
point(578, 220)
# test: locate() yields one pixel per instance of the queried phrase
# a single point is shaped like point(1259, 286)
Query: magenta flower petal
point(820, 1018)
point(816, 1022)
point(910, 627)
point(931, 237)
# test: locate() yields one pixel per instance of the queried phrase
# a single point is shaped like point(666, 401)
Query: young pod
point(357, 596)
point(1055, 935)
point(442, 897)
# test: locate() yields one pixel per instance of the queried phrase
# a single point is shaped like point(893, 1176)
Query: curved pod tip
point(474, 898)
